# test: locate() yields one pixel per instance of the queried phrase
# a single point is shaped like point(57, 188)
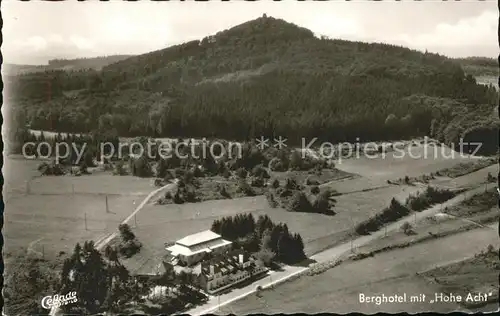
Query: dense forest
point(265, 77)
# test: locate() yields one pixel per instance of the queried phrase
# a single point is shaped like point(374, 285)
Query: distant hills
point(265, 77)
point(480, 66)
point(96, 63)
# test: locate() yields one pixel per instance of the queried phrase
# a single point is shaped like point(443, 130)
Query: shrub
point(129, 245)
point(126, 232)
point(266, 256)
point(406, 228)
point(311, 181)
point(271, 200)
point(277, 165)
point(490, 249)
point(53, 169)
point(260, 171)
point(189, 177)
point(245, 188)
point(226, 173)
point(283, 192)
point(299, 203)
point(177, 199)
point(257, 182)
point(129, 248)
point(241, 173)
point(322, 203)
point(140, 167)
point(291, 184)
point(315, 189)
point(223, 191)
point(179, 173)
point(275, 184)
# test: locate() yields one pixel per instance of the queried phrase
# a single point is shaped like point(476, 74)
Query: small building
point(224, 271)
point(194, 248)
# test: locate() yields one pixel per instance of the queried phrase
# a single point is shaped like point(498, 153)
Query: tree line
point(268, 240)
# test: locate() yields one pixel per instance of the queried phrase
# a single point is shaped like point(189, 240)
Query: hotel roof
point(178, 249)
point(198, 238)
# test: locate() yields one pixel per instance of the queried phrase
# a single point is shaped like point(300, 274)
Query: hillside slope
point(263, 77)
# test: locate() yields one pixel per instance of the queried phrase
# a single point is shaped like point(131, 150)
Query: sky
point(35, 32)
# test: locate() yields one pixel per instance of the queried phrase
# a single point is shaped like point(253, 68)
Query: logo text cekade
point(57, 300)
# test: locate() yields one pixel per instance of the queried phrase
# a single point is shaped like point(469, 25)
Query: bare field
point(338, 289)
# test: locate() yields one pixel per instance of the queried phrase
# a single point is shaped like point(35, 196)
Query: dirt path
point(104, 241)
point(32, 244)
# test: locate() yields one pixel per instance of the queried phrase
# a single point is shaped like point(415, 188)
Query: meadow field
point(417, 160)
point(56, 212)
point(54, 223)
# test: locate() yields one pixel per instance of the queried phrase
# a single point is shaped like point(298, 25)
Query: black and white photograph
point(250, 157)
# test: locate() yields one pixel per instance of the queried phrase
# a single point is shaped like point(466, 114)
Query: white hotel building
point(193, 248)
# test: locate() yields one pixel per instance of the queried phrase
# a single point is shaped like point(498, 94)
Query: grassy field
point(478, 274)
point(53, 223)
point(389, 273)
point(51, 218)
point(468, 180)
point(417, 160)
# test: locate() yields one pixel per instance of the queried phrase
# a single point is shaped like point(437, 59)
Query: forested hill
point(263, 77)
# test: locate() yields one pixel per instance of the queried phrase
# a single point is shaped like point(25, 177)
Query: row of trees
point(429, 197)
point(397, 210)
point(265, 238)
